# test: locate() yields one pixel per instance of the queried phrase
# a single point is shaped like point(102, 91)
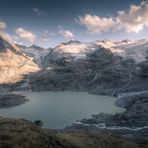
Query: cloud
point(66, 33)
point(45, 36)
point(95, 24)
point(134, 20)
point(15, 37)
point(4, 34)
point(53, 34)
point(2, 25)
point(38, 12)
point(26, 35)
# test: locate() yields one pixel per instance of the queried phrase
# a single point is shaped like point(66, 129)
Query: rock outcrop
point(9, 100)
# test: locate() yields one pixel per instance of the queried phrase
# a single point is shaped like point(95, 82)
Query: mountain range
point(102, 66)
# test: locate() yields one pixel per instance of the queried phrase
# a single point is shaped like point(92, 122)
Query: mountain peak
point(74, 41)
point(4, 44)
point(36, 47)
point(126, 41)
point(70, 42)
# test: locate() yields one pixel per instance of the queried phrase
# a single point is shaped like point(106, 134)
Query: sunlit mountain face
point(47, 23)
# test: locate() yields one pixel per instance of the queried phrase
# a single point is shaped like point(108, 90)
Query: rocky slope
point(34, 52)
point(131, 124)
point(22, 133)
point(100, 70)
point(14, 65)
point(106, 67)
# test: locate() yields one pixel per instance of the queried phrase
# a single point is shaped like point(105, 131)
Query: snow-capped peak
point(75, 47)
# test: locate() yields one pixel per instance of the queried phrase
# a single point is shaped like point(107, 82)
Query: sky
point(49, 22)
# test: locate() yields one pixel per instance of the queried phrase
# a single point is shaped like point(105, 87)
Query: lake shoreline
point(129, 124)
point(60, 107)
point(10, 100)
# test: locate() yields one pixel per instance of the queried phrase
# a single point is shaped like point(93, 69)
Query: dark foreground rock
point(16, 133)
point(131, 124)
point(9, 100)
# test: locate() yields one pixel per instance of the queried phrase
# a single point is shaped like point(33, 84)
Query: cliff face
point(14, 66)
point(16, 133)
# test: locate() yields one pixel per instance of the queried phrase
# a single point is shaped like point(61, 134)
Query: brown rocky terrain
point(19, 133)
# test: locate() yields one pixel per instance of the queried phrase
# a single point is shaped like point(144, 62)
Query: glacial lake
point(60, 109)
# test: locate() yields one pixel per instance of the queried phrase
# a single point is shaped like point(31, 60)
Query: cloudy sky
point(48, 22)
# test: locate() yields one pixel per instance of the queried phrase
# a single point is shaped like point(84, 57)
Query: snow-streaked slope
point(136, 50)
point(34, 52)
point(111, 43)
point(14, 66)
point(74, 49)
